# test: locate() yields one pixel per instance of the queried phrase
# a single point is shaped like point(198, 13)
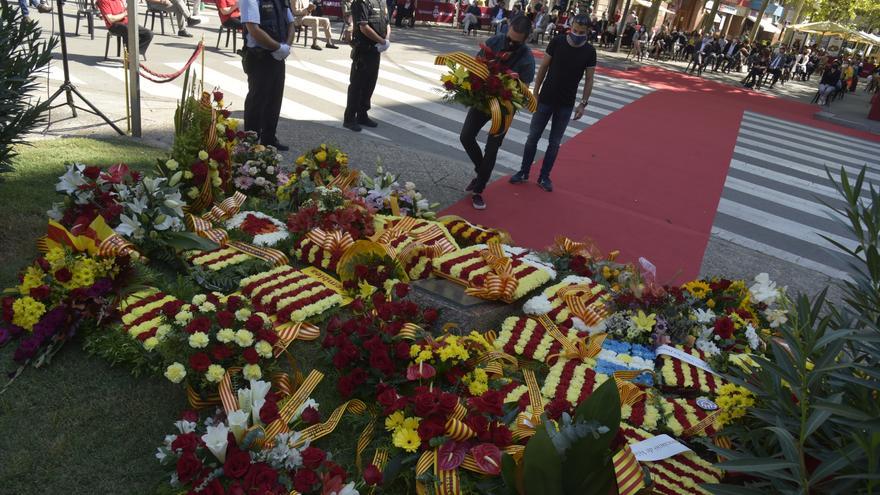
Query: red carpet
point(646, 179)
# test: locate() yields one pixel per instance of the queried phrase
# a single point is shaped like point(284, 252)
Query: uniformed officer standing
point(371, 37)
point(269, 30)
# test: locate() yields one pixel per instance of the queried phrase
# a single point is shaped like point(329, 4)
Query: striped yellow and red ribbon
point(627, 472)
point(501, 284)
point(331, 241)
point(584, 348)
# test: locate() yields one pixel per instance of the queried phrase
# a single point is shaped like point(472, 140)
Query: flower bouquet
point(91, 191)
point(487, 85)
point(414, 242)
point(256, 169)
point(59, 293)
point(290, 295)
point(230, 452)
point(384, 195)
point(467, 234)
point(323, 167)
point(331, 209)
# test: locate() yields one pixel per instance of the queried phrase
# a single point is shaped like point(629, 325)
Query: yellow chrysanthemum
point(33, 277)
point(407, 440)
point(733, 403)
point(26, 312)
point(56, 257)
point(697, 288)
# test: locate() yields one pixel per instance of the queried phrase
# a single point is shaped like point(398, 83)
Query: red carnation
point(357, 306)
point(313, 457)
point(401, 290)
point(310, 416)
point(430, 315)
point(269, 412)
point(237, 463)
point(92, 172)
point(188, 467)
point(199, 170)
point(200, 324)
point(225, 319)
point(372, 475)
point(63, 275)
point(254, 323)
point(489, 403)
point(221, 352)
point(199, 362)
point(250, 355)
point(233, 303)
point(304, 480)
point(40, 293)
point(171, 308)
point(189, 415)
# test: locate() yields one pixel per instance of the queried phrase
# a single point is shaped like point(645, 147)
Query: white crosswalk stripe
point(777, 197)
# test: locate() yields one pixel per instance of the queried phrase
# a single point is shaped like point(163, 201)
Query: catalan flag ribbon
point(628, 473)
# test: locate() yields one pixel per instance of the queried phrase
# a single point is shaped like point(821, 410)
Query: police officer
point(371, 34)
point(269, 30)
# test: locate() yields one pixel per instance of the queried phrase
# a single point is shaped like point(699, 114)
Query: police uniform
point(265, 74)
point(364, 57)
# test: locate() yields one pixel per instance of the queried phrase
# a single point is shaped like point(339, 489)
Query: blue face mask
point(577, 39)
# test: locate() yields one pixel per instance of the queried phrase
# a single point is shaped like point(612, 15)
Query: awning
point(647, 3)
point(768, 27)
point(824, 28)
point(643, 3)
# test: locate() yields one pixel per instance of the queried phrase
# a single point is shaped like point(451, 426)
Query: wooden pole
point(127, 103)
point(134, 89)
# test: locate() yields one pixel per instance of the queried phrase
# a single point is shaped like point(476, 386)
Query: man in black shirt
point(370, 38)
point(569, 57)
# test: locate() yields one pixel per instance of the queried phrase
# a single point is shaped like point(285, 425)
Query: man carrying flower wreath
point(510, 52)
point(569, 57)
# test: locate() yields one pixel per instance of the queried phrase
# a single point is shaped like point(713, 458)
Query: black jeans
point(777, 73)
point(362, 81)
point(484, 162)
point(262, 106)
point(145, 36)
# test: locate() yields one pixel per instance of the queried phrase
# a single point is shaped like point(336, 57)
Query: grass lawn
point(79, 426)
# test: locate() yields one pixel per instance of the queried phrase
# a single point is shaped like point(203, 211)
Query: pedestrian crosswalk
point(407, 101)
point(777, 193)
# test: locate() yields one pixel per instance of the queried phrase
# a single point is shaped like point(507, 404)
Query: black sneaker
point(316, 47)
point(192, 21)
point(471, 185)
point(352, 126)
point(331, 46)
point(519, 178)
point(184, 34)
point(477, 202)
point(367, 122)
point(545, 184)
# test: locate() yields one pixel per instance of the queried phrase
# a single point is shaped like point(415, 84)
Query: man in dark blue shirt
point(517, 57)
point(569, 58)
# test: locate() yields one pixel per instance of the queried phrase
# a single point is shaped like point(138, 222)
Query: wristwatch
point(583, 103)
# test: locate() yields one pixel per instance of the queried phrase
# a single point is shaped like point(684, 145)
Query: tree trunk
point(620, 27)
point(709, 20)
point(651, 16)
point(757, 25)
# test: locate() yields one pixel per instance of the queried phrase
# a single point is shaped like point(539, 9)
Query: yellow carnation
point(252, 372)
point(199, 340)
point(215, 373)
point(264, 349)
point(244, 338)
point(175, 372)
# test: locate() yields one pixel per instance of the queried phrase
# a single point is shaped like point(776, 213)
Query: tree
point(25, 55)
point(758, 19)
point(837, 10)
point(709, 20)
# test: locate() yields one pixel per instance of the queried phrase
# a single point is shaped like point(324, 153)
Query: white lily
point(71, 180)
point(238, 424)
point(216, 439)
point(764, 289)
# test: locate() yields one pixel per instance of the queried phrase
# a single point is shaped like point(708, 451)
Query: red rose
point(448, 85)
point(478, 423)
point(425, 404)
point(431, 427)
point(189, 415)
point(199, 362)
point(430, 315)
point(8, 312)
point(345, 386)
point(43, 264)
point(186, 442)
point(92, 172)
point(214, 487)
point(382, 361)
point(357, 306)
point(304, 480)
point(235, 489)
point(489, 403)
point(361, 271)
point(221, 352)
point(262, 477)
point(724, 328)
point(254, 323)
point(269, 412)
point(501, 435)
point(310, 416)
point(230, 134)
point(63, 275)
point(250, 355)
point(225, 319)
point(372, 475)
point(40, 293)
point(188, 467)
point(389, 400)
point(401, 350)
point(218, 96)
point(237, 463)
point(312, 457)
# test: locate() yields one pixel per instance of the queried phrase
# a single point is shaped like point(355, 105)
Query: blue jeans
point(560, 115)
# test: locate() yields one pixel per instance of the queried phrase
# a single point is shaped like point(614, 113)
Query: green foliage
point(191, 120)
point(24, 54)
point(815, 427)
point(118, 349)
point(574, 457)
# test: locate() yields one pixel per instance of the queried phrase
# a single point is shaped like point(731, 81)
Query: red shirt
point(225, 4)
point(112, 7)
